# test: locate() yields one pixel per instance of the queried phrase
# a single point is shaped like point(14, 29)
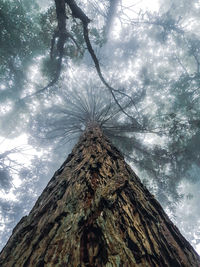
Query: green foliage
point(48, 26)
point(49, 67)
point(5, 179)
point(19, 32)
point(19, 44)
point(99, 36)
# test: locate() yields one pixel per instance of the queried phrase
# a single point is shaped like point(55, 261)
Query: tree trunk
point(110, 15)
point(96, 212)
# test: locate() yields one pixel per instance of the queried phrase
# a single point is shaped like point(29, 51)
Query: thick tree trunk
point(96, 212)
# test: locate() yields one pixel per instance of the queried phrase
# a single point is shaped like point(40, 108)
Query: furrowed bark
point(96, 212)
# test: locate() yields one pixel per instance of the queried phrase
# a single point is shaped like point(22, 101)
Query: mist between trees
point(134, 72)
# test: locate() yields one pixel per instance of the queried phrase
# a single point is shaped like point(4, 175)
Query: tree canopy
point(135, 70)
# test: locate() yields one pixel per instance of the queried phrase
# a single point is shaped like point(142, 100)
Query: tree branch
point(78, 13)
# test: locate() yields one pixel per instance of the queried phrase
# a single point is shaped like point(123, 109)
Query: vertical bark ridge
point(96, 212)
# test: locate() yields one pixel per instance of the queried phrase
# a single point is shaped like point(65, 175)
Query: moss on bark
point(96, 212)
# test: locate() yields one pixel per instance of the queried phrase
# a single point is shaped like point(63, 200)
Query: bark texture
point(96, 212)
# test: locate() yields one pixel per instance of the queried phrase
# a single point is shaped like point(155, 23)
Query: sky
point(136, 6)
point(187, 212)
point(27, 152)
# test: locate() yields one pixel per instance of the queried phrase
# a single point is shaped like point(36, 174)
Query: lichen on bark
point(96, 212)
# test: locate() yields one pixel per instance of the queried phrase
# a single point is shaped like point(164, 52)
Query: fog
point(135, 70)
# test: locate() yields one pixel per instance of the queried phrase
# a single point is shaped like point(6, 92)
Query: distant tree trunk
point(110, 15)
point(96, 212)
